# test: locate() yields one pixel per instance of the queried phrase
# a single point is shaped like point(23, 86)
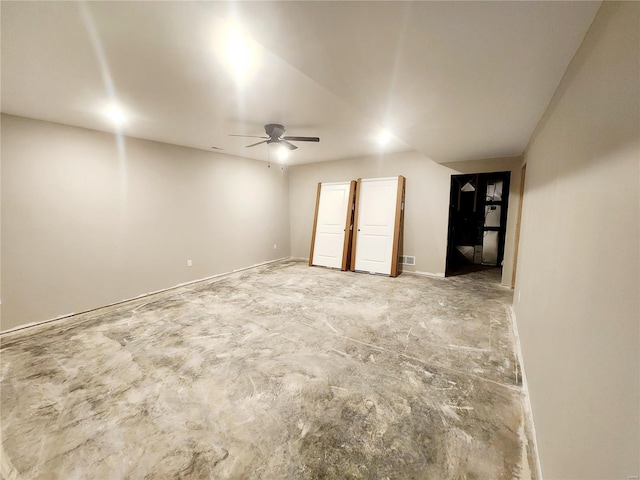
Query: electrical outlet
point(189, 263)
point(275, 246)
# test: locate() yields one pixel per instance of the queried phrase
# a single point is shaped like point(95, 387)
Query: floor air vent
point(406, 260)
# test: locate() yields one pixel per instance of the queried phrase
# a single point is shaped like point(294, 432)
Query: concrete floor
point(282, 371)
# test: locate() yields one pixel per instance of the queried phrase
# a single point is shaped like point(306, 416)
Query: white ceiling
point(452, 80)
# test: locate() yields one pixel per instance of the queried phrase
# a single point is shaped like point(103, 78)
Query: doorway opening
point(477, 222)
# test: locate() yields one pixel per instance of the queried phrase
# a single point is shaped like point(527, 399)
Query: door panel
point(374, 249)
point(376, 221)
point(333, 208)
point(380, 205)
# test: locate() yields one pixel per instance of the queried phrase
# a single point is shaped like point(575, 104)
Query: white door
point(333, 209)
point(376, 221)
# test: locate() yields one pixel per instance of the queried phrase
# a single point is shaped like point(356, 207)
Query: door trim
point(516, 246)
point(395, 271)
point(354, 240)
point(348, 227)
point(315, 223)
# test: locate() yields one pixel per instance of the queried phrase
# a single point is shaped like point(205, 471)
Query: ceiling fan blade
point(254, 144)
point(248, 136)
point(302, 139)
point(288, 145)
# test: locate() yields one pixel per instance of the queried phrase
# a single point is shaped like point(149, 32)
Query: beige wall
point(427, 201)
point(85, 223)
point(578, 270)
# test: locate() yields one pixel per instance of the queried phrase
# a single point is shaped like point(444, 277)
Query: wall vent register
point(407, 260)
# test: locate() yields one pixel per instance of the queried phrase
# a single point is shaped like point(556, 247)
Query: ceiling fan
point(274, 133)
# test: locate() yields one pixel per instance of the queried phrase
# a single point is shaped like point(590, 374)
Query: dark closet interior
point(477, 221)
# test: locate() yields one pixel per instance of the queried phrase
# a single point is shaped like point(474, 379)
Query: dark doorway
point(477, 221)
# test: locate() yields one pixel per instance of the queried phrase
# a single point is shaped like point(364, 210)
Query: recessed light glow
point(384, 137)
point(115, 114)
point(240, 54)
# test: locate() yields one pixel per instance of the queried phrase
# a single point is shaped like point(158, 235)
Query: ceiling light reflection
point(384, 137)
point(115, 114)
point(239, 53)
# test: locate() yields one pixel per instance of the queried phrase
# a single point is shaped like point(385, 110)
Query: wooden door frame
point(315, 224)
point(396, 268)
point(356, 213)
point(516, 246)
point(348, 227)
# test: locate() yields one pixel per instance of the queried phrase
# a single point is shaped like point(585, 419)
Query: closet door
point(330, 243)
point(379, 203)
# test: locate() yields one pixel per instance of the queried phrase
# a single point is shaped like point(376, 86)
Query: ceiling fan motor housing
point(274, 130)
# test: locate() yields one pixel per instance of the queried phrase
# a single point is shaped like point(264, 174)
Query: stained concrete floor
point(282, 371)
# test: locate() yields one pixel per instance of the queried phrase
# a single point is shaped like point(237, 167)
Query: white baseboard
point(190, 282)
point(528, 411)
point(425, 274)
